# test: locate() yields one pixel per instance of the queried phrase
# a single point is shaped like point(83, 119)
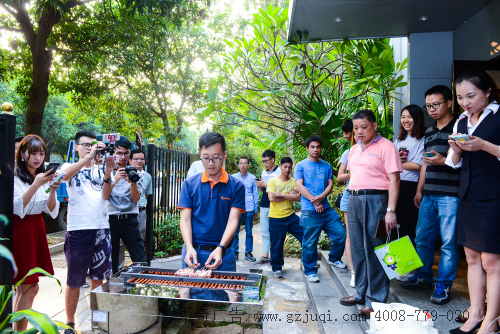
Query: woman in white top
point(30, 246)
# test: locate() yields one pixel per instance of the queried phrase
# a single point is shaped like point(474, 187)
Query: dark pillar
point(151, 203)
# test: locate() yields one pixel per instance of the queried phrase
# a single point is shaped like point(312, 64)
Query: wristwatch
point(107, 181)
point(223, 248)
point(391, 210)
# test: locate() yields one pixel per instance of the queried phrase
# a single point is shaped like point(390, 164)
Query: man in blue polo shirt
point(211, 204)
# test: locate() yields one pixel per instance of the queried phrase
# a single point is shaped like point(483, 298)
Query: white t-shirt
point(86, 208)
point(344, 159)
point(195, 169)
point(415, 149)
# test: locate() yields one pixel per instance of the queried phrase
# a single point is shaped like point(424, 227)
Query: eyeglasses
point(138, 159)
point(214, 160)
point(265, 161)
point(430, 107)
point(86, 145)
point(123, 154)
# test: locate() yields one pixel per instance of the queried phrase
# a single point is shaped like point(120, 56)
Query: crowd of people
point(428, 183)
point(104, 207)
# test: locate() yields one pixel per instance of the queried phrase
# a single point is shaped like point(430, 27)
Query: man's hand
point(390, 221)
point(216, 255)
point(255, 214)
point(316, 200)
point(191, 257)
point(319, 208)
point(436, 160)
point(110, 166)
point(474, 144)
point(418, 199)
point(278, 195)
point(260, 183)
point(120, 174)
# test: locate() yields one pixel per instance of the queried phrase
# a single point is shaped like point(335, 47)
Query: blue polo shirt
point(315, 175)
point(211, 204)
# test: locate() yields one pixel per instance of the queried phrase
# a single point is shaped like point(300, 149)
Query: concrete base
point(155, 329)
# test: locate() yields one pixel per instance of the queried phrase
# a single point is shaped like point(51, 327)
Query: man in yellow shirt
point(282, 219)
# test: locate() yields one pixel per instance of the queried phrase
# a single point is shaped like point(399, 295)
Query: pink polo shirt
point(369, 166)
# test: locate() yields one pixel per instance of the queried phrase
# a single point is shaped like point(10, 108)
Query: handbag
point(398, 257)
point(338, 200)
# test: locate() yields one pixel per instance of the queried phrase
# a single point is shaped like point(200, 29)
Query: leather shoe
point(350, 301)
point(365, 312)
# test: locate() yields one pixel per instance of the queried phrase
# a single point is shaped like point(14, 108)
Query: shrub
point(292, 247)
point(168, 238)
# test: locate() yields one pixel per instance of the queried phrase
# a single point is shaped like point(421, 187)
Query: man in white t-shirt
point(87, 244)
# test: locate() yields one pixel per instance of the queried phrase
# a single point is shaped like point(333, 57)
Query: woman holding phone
point(30, 247)
point(479, 206)
point(410, 144)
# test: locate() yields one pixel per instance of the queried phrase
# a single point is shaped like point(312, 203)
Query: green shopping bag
point(398, 257)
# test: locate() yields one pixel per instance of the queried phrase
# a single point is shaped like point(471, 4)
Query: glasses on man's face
point(138, 159)
point(214, 160)
point(243, 163)
point(266, 161)
point(86, 145)
point(434, 106)
point(122, 154)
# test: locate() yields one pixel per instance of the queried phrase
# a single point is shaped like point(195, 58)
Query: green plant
point(292, 247)
point(168, 238)
point(324, 242)
point(41, 322)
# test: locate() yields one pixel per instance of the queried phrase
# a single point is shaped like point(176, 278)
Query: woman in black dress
point(478, 213)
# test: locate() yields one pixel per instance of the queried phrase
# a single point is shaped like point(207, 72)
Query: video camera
point(109, 150)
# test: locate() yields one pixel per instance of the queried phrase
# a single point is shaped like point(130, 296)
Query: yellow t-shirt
point(285, 208)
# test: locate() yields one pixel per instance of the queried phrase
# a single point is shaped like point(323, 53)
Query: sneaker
point(416, 282)
point(236, 255)
point(72, 330)
point(262, 260)
point(441, 294)
point(338, 264)
point(405, 277)
point(352, 283)
point(278, 274)
point(313, 278)
point(85, 285)
point(249, 257)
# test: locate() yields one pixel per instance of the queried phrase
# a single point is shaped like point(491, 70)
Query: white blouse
point(38, 203)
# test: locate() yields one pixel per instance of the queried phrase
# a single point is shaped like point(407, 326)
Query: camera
point(132, 173)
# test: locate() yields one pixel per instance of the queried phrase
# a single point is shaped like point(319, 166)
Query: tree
point(304, 87)
point(41, 24)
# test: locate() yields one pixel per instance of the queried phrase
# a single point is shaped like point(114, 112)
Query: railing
point(7, 135)
point(168, 166)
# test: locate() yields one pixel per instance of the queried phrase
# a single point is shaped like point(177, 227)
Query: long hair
point(32, 144)
point(419, 128)
point(482, 81)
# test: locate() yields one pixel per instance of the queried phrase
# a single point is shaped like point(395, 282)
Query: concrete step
point(443, 315)
point(331, 316)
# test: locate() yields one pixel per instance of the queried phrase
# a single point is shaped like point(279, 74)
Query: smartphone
point(53, 167)
point(428, 154)
point(256, 179)
point(404, 150)
point(460, 138)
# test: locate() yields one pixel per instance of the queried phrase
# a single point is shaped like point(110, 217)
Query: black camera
point(132, 173)
point(110, 148)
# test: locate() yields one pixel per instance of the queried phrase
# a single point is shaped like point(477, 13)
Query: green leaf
point(401, 84)
point(199, 110)
point(349, 70)
point(254, 115)
point(36, 271)
point(4, 252)
point(290, 85)
point(308, 89)
point(40, 321)
point(212, 94)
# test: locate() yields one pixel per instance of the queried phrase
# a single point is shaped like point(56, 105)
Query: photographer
point(137, 159)
point(123, 209)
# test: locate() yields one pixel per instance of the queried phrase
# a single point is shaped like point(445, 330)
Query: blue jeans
point(438, 215)
point(278, 227)
point(248, 217)
point(228, 264)
point(313, 223)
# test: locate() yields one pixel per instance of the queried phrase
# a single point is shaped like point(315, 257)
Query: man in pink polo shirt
point(374, 165)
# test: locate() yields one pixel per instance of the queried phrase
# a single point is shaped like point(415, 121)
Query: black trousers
point(406, 211)
point(128, 231)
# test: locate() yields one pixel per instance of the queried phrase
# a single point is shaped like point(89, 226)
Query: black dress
point(478, 215)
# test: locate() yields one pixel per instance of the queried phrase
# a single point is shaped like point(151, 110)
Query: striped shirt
point(440, 180)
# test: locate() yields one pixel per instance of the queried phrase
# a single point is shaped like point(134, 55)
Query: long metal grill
point(212, 276)
point(182, 284)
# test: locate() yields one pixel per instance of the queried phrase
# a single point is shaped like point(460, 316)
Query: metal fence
point(168, 166)
point(7, 135)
